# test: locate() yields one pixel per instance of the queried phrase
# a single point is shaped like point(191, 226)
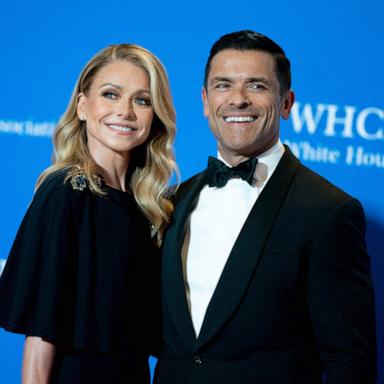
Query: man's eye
point(221, 86)
point(257, 86)
point(110, 95)
point(142, 101)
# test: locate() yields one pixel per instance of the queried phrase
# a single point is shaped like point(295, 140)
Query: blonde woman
point(80, 281)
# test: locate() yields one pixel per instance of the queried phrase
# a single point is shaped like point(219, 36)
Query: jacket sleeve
point(341, 299)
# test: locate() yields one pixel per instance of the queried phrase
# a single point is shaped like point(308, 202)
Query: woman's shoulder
point(62, 186)
point(53, 182)
point(67, 181)
point(51, 195)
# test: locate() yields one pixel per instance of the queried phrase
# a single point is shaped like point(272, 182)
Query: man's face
point(243, 103)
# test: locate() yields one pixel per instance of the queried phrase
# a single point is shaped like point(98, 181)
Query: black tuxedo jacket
point(294, 301)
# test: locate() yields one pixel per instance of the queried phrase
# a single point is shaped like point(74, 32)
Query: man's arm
point(341, 299)
point(38, 358)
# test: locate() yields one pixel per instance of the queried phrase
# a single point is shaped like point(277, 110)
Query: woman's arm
point(38, 358)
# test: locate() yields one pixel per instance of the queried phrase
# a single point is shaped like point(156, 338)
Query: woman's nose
point(125, 110)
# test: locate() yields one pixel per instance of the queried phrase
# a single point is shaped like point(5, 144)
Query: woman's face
point(117, 109)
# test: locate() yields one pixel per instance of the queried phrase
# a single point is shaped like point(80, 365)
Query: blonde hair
point(151, 165)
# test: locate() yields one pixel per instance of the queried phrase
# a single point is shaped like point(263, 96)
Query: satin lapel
point(172, 272)
point(247, 249)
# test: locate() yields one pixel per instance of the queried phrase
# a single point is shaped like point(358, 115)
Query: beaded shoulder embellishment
point(80, 182)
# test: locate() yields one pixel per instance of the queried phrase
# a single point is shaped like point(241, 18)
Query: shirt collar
point(267, 163)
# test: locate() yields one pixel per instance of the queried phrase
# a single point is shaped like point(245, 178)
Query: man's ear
point(287, 101)
point(204, 96)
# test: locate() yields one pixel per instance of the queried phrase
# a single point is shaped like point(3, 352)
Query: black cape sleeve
point(35, 286)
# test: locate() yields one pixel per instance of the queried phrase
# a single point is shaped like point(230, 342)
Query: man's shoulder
point(310, 182)
point(314, 183)
point(315, 195)
point(185, 185)
point(176, 192)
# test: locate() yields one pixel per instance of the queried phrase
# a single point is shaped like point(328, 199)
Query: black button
point(197, 359)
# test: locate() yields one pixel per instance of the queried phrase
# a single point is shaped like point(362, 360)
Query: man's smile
point(239, 119)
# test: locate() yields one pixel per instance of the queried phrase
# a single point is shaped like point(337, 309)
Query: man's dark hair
point(253, 41)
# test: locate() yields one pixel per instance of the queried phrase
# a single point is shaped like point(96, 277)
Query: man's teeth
point(239, 119)
point(121, 128)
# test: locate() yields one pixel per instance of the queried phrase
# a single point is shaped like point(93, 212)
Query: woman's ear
point(81, 107)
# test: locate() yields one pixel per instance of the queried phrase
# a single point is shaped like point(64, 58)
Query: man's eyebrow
point(247, 80)
point(257, 80)
point(220, 78)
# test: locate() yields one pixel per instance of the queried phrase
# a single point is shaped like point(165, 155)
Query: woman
point(80, 280)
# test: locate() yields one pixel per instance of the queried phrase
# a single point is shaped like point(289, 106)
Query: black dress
point(83, 274)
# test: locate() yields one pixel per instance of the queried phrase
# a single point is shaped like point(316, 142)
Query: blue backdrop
point(337, 124)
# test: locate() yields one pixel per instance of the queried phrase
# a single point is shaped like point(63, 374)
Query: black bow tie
point(218, 174)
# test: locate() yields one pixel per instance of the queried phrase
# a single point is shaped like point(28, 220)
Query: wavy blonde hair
point(151, 164)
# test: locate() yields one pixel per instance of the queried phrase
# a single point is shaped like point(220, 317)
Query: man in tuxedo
point(265, 273)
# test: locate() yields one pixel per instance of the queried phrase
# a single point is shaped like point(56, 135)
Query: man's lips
point(239, 118)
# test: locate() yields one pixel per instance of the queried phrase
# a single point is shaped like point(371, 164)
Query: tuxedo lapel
point(172, 272)
point(247, 249)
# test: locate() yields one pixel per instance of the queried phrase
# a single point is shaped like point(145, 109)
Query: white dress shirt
point(214, 227)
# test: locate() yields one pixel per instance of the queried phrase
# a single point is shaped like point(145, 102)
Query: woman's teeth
point(121, 128)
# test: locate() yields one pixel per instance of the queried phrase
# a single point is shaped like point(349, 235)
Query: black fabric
point(294, 302)
point(91, 367)
point(83, 273)
point(218, 174)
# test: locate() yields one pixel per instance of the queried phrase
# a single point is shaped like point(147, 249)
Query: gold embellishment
point(79, 182)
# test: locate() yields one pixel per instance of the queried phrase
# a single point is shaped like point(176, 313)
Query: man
point(267, 279)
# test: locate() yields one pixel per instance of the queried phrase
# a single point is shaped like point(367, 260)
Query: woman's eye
point(142, 101)
point(110, 95)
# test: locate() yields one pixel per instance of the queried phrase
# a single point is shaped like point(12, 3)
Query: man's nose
point(239, 99)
